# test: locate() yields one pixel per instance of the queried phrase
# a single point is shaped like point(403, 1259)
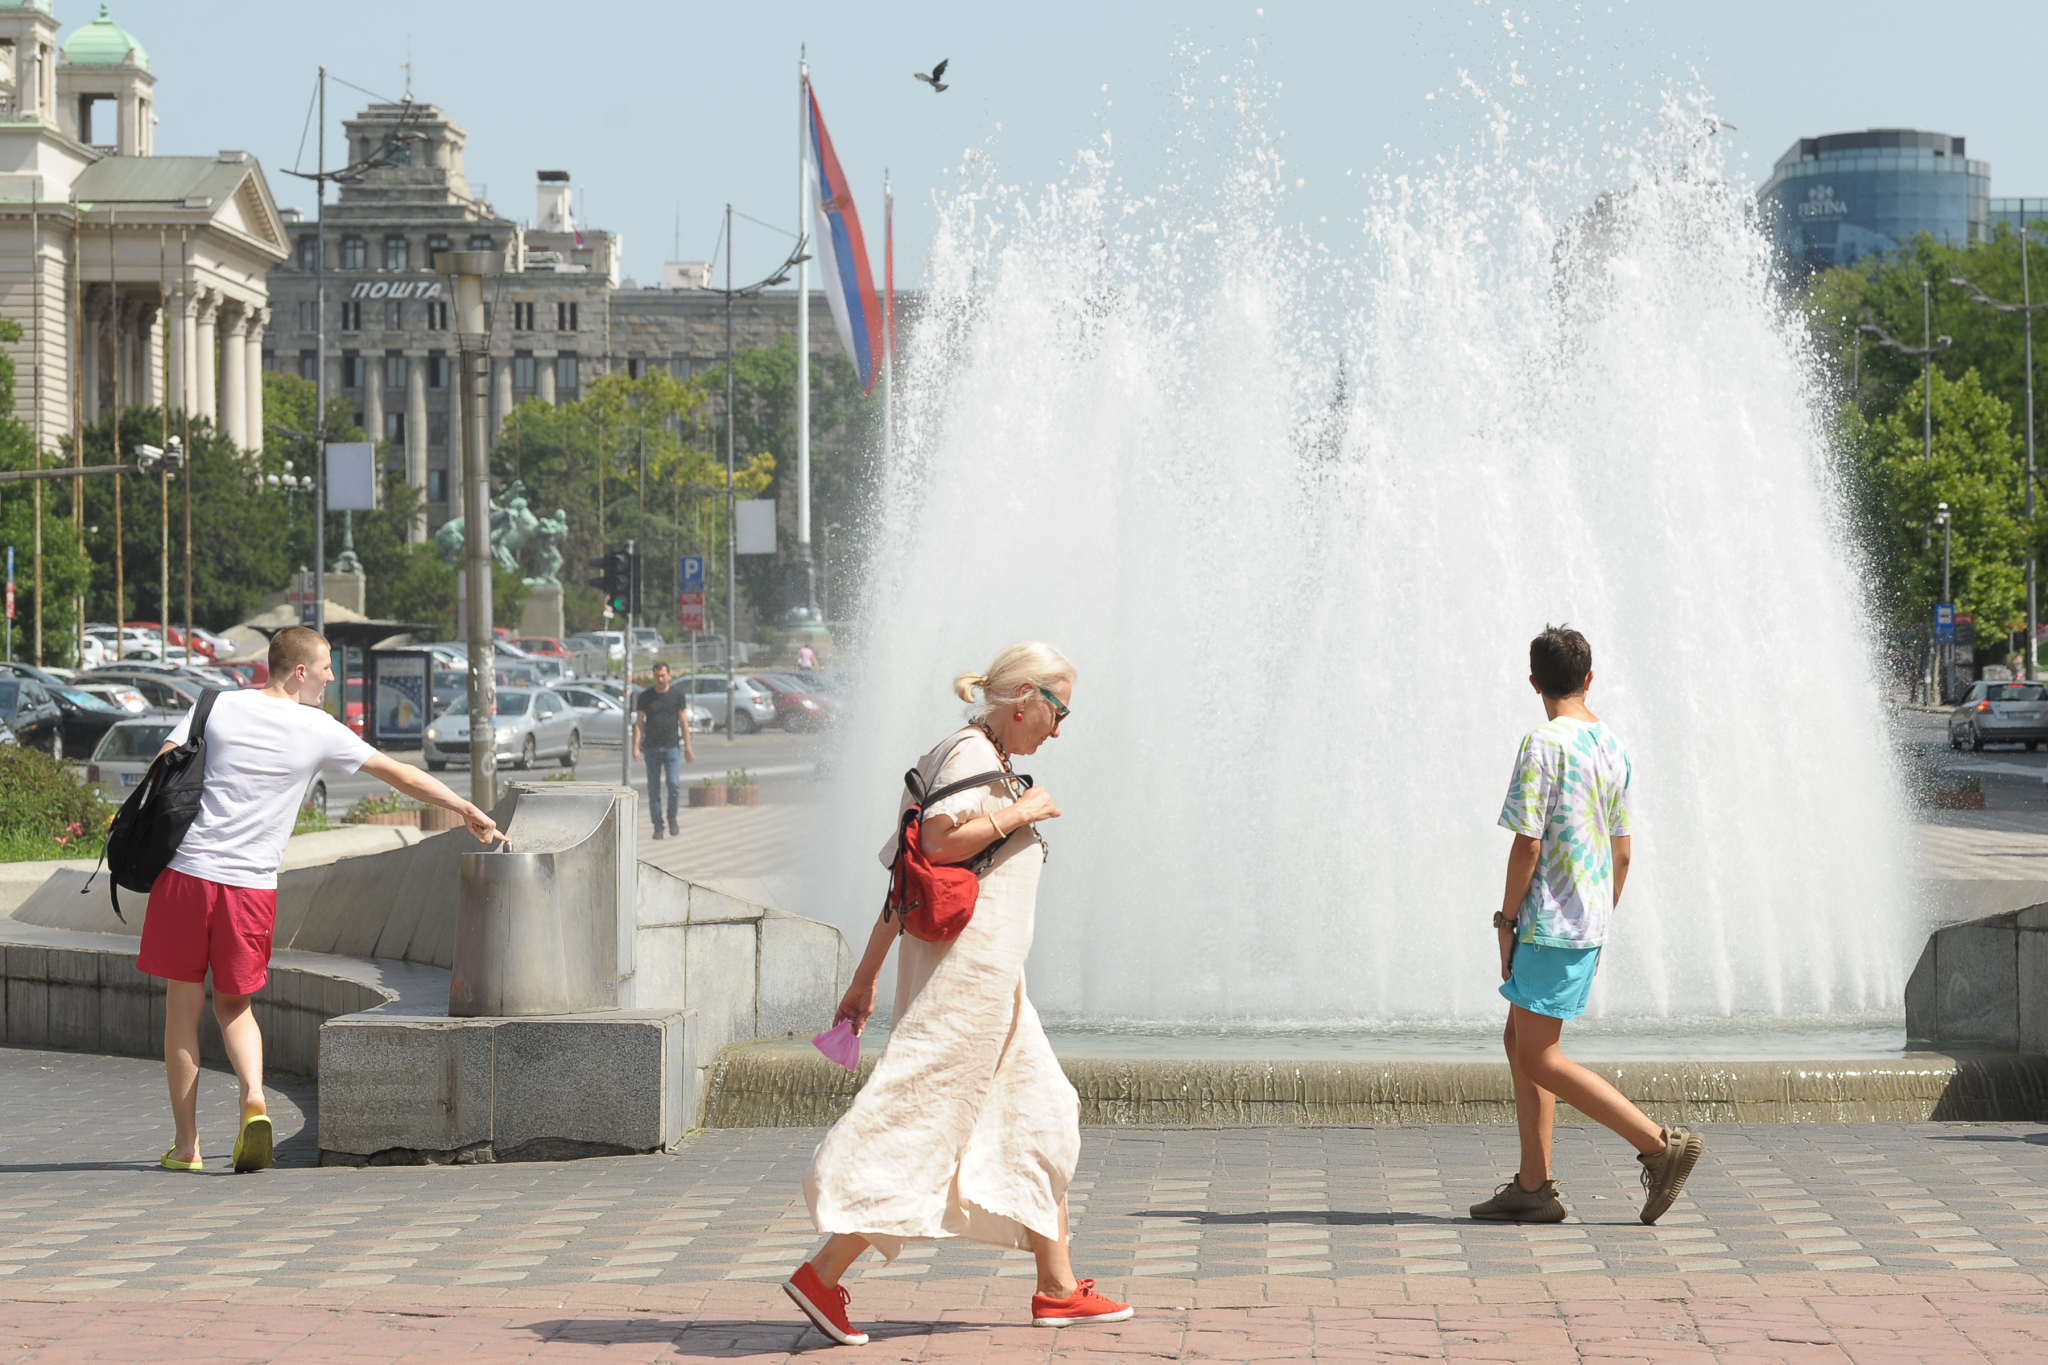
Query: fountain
point(1295, 512)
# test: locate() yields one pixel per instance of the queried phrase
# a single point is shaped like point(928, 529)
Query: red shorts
point(192, 924)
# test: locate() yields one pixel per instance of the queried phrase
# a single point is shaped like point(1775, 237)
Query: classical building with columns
point(560, 316)
point(137, 279)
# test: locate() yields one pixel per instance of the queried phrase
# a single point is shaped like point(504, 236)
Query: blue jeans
point(664, 763)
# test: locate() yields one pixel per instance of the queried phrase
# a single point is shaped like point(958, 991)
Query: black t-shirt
point(662, 713)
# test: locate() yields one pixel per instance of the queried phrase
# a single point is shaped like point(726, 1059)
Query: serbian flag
point(842, 255)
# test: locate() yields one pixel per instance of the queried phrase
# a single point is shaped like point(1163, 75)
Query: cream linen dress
point(968, 1127)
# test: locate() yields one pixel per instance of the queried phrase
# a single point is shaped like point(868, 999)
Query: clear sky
point(663, 112)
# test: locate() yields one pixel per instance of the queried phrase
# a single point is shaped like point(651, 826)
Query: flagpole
point(803, 340)
point(888, 321)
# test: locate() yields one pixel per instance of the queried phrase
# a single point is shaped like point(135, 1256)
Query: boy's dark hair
point(1559, 660)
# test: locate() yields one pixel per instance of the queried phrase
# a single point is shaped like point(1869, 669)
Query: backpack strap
point(197, 735)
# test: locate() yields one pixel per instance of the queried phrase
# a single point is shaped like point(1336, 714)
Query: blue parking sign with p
point(690, 573)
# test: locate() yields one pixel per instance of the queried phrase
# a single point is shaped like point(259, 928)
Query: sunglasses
point(1060, 710)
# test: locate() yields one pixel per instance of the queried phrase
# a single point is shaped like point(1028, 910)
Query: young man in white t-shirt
point(213, 907)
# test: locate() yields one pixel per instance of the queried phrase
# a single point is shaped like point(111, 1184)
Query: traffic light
point(615, 582)
point(633, 585)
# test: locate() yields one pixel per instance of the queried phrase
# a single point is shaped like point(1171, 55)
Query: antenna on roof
point(406, 66)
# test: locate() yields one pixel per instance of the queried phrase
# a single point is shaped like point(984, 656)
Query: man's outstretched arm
point(430, 789)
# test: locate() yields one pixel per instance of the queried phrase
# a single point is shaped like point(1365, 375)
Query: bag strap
point(978, 780)
point(199, 713)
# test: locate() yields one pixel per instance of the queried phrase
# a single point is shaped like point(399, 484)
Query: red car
point(355, 704)
point(249, 672)
point(173, 637)
point(543, 647)
point(796, 706)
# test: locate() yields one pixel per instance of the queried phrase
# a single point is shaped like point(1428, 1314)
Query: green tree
point(1973, 470)
point(66, 569)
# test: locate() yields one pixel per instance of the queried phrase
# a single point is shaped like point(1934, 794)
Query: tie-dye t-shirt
point(1570, 790)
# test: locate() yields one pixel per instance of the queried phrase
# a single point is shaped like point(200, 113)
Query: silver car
point(533, 723)
point(753, 704)
point(2000, 713)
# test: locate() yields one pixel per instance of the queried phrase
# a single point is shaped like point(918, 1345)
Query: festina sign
point(397, 289)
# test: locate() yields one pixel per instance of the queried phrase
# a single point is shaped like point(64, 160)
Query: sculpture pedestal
point(542, 614)
point(346, 590)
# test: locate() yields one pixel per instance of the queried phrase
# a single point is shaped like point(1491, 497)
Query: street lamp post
point(2026, 309)
point(1941, 519)
point(468, 269)
point(1926, 353)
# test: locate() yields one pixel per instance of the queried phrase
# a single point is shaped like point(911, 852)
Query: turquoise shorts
point(1552, 981)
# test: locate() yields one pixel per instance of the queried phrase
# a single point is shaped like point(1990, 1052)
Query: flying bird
point(937, 79)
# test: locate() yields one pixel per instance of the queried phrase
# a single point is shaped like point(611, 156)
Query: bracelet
point(1000, 836)
point(1501, 921)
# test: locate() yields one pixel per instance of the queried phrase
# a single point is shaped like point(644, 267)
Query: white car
point(121, 759)
point(533, 723)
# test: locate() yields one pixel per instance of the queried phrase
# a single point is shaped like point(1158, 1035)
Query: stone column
point(544, 379)
point(205, 328)
point(253, 378)
point(149, 319)
point(178, 322)
point(501, 393)
point(373, 397)
point(234, 394)
point(416, 437)
point(89, 355)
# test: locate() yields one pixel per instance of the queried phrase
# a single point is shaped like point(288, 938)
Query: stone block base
point(412, 1090)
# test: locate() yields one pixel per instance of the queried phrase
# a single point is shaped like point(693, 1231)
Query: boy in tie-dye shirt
point(1568, 808)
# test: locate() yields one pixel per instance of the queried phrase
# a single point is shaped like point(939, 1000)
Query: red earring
point(1017, 715)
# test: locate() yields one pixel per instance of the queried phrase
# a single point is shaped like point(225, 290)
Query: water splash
point(1295, 511)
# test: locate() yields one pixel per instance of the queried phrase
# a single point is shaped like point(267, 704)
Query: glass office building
point(1836, 199)
point(2012, 212)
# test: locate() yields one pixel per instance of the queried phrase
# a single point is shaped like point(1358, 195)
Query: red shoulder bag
point(935, 901)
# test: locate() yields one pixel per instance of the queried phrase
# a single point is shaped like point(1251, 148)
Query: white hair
point(1015, 670)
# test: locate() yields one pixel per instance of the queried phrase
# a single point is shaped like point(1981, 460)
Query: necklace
point(1002, 754)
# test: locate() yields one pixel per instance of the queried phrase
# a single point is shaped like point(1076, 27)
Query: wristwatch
point(1501, 921)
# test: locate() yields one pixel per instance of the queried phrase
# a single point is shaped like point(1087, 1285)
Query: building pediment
point(227, 191)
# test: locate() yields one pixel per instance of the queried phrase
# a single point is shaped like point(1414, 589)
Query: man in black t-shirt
point(661, 726)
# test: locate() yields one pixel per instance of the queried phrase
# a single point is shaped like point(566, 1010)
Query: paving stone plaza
point(1806, 1242)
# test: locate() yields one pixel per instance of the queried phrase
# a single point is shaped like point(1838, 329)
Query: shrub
point(41, 798)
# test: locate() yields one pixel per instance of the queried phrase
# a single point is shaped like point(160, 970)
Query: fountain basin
point(1748, 1076)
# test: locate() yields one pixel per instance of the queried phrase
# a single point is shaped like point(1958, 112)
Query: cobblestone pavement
point(1795, 1241)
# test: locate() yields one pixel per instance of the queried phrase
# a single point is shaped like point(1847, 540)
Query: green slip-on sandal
point(170, 1164)
point(252, 1145)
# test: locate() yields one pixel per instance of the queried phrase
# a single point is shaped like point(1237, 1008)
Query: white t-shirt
point(260, 753)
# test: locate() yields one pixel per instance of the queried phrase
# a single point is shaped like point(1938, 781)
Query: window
point(354, 254)
point(394, 426)
point(270, 360)
point(522, 317)
point(351, 316)
point(437, 371)
point(437, 317)
point(309, 253)
point(436, 244)
point(633, 367)
point(2015, 692)
point(437, 487)
point(309, 367)
point(522, 372)
point(352, 373)
point(394, 316)
point(565, 374)
point(306, 315)
point(397, 253)
point(480, 241)
point(565, 317)
point(394, 371)
point(437, 428)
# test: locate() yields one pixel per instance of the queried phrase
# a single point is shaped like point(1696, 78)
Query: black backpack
point(152, 822)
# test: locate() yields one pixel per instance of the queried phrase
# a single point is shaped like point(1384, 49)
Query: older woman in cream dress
point(968, 1127)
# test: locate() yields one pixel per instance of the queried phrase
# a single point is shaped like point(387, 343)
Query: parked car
point(125, 752)
point(87, 717)
point(164, 692)
point(48, 677)
point(118, 694)
point(646, 640)
point(797, 706)
point(33, 714)
point(2000, 713)
point(598, 714)
point(247, 672)
point(204, 677)
point(174, 636)
point(532, 724)
point(542, 647)
point(754, 702)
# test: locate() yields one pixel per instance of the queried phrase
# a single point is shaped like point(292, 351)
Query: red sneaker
point(824, 1305)
point(1084, 1306)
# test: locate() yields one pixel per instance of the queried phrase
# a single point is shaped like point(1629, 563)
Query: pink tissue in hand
point(840, 1044)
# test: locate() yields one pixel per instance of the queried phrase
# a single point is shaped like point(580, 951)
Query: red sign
point(10, 599)
point(690, 611)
